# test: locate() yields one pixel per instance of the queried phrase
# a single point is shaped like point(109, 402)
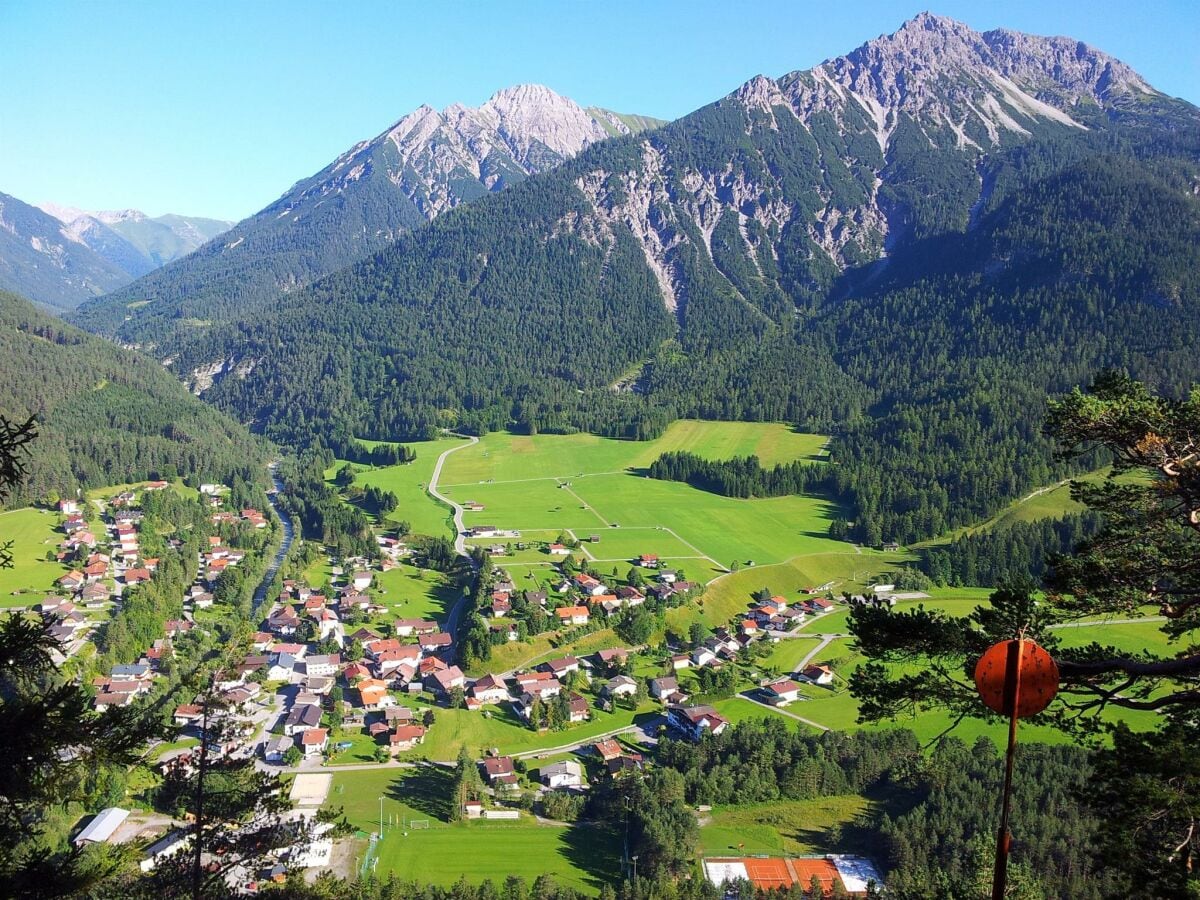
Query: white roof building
point(101, 828)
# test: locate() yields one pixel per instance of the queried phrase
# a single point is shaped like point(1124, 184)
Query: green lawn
point(582, 857)
point(33, 532)
point(732, 594)
point(501, 729)
point(409, 592)
point(786, 655)
point(362, 749)
point(545, 483)
point(526, 505)
point(791, 827)
point(526, 654)
point(508, 457)
point(834, 707)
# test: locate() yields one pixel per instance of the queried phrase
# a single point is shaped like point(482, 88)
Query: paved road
point(460, 538)
point(460, 529)
point(748, 695)
point(826, 640)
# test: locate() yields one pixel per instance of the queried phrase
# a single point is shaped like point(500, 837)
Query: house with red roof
point(405, 737)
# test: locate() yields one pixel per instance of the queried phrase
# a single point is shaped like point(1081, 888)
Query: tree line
point(742, 476)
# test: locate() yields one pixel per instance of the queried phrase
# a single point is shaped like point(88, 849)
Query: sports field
point(32, 532)
point(583, 857)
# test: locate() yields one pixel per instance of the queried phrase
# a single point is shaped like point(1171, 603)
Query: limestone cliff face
point(441, 159)
point(851, 130)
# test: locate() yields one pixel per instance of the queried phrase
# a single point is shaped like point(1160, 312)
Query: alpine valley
point(541, 502)
point(909, 246)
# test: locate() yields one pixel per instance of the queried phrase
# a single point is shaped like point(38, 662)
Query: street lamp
point(635, 859)
point(381, 816)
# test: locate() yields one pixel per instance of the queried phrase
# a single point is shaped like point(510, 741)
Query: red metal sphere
point(1035, 683)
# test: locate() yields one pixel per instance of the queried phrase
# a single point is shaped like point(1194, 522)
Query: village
point(330, 678)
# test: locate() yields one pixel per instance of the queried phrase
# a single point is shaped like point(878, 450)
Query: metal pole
point(1012, 698)
point(381, 816)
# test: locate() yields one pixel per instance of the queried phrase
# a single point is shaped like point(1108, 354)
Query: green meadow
point(32, 532)
point(582, 485)
point(412, 593)
point(508, 457)
point(408, 482)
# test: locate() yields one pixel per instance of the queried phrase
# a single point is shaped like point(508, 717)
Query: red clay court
point(778, 872)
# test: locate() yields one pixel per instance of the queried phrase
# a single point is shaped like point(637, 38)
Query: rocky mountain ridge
point(934, 82)
point(426, 163)
point(44, 260)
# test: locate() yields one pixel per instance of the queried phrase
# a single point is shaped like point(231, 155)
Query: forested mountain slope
point(909, 245)
point(107, 415)
point(424, 164)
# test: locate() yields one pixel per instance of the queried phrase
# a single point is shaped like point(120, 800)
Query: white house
point(702, 656)
point(782, 691)
point(818, 674)
point(563, 774)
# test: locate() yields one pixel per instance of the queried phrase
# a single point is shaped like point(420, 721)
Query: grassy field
point(835, 708)
point(848, 569)
point(494, 727)
point(635, 515)
point(582, 857)
point(508, 457)
point(32, 532)
point(791, 827)
point(456, 728)
point(544, 484)
point(422, 512)
point(409, 592)
point(1049, 502)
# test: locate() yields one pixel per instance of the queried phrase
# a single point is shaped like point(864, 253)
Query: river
point(289, 534)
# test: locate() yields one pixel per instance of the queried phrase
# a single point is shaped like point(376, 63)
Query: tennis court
point(770, 872)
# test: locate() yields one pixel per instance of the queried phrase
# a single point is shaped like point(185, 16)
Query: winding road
point(460, 528)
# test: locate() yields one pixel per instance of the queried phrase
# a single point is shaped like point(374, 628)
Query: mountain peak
point(928, 48)
point(520, 94)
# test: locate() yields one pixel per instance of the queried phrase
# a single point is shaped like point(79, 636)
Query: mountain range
point(908, 246)
point(421, 166)
point(60, 256)
point(137, 243)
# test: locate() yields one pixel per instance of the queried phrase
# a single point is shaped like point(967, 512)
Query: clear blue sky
point(216, 108)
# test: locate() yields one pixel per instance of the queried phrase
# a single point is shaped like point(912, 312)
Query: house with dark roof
point(498, 769)
point(301, 718)
point(694, 721)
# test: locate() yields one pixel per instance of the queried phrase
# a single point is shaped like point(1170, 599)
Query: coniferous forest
point(931, 371)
